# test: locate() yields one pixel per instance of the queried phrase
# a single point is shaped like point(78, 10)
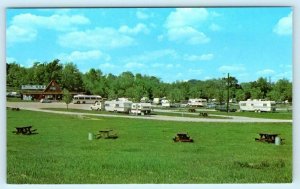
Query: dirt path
point(35, 106)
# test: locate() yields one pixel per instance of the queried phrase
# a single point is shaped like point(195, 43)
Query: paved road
point(36, 106)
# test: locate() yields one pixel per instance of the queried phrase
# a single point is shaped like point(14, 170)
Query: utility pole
point(227, 93)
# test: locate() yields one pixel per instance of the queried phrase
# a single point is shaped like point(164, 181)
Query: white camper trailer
point(165, 103)
point(141, 108)
point(258, 105)
point(197, 102)
point(120, 105)
point(156, 101)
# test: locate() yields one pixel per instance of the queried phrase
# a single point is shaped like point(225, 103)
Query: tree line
point(136, 86)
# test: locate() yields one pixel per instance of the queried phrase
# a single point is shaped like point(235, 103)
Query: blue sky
point(170, 43)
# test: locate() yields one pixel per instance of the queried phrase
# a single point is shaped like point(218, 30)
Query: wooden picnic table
point(25, 130)
point(267, 137)
point(204, 114)
point(106, 134)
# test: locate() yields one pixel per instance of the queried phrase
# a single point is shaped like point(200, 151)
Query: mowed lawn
point(144, 151)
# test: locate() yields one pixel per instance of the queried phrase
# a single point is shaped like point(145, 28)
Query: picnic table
point(182, 137)
point(107, 134)
point(25, 130)
point(267, 137)
point(204, 114)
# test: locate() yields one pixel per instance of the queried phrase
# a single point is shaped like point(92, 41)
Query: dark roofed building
point(37, 92)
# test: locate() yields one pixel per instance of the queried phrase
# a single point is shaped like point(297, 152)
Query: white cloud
point(10, 60)
point(96, 38)
point(186, 17)
point(187, 35)
point(232, 68)
point(29, 62)
point(150, 56)
point(133, 65)
point(56, 21)
point(135, 30)
point(157, 65)
point(284, 25)
point(169, 66)
point(265, 72)
point(207, 78)
point(203, 57)
point(214, 27)
point(142, 15)
point(24, 27)
point(79, 56)
point(160, 38)
point(182, 25)
point(107, 66)
point(285, 75)
point(16, 34)
point(195, 71)
point(178, 75)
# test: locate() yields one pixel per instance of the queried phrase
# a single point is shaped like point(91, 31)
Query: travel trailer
point(119, 105)
point(258, 105)
point(165, 103)
point(197, 102)
point(145, 100)
point(141, 108)
point(156, 101)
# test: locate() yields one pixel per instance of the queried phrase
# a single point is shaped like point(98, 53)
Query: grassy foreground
point(144, 151)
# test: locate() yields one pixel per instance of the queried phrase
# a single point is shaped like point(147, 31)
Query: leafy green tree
point(16, 75)
point(53, 71)
point(67, 97)
point(71, 78)
point(94, 82)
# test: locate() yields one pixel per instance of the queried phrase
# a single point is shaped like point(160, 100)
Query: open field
point(144, 151)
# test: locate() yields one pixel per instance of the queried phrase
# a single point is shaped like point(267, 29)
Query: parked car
point(45, 100)
point(97, 106)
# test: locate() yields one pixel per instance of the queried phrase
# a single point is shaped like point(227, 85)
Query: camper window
point(117, 105)
point(265, 105)
point(243, 104)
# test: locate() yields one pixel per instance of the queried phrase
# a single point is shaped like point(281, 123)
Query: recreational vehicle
point(197, 102)
point(165, 103)
point(141, 108)
point(145, 100)
point(156, 101)
point(120, 105)
point(257, 105)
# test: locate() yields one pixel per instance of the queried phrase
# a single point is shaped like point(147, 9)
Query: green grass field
point(144, 151)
